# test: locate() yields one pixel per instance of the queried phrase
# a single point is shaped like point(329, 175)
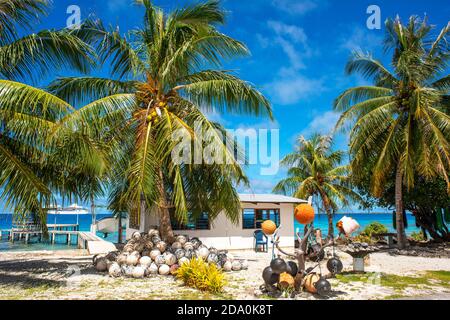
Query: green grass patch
point(443, 276)
point(385, 280)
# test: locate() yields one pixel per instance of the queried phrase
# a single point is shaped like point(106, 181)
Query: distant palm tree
point(27, 115)
point(399, 123)
point(164, 75)
point(314, 169)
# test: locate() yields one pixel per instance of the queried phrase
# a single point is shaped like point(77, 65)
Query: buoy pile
point(280, 275)
point(284, 275)
point(145, 254)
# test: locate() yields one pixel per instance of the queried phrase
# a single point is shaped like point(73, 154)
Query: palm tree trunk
point(94, 218)
point(401, 235)
point(165, 224)
point(326, 205)
point(330, 223)
point(120, 228)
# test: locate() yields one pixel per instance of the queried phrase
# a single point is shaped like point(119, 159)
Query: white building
point(223, 234)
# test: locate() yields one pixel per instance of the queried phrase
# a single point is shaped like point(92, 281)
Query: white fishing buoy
point(182, 240)
point(122, 258)
point(129, 271)
point(136, 236)
point(164, 269)
point(153, 269)
point(177, 245)
point(227, 266)
point(160, 260)
point(348, 225)
point(145, 261)
point(153, 232)
point(188, 246)
point(203, 253)
point(154, 253)
point(129, 247)
point(170, 259)
point(132, 259)
point(236, 266)
point(148, 244)
point(161, 246)
point(101, 264)
point(139, 247)
point(115, 270)
point(138, 272)
point(213, 258)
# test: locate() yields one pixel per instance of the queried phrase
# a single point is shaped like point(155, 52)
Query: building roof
point(269, 198)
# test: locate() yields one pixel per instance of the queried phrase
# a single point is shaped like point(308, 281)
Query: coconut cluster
point(146, 254)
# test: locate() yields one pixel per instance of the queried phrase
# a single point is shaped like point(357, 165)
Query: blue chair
point(260, 239)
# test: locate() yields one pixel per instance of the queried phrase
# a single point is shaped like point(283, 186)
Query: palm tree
point(314, 169)
point(164, 75)
point(26, 127)
point(399, 123)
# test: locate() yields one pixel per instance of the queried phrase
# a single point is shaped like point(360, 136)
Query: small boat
point(107, 225)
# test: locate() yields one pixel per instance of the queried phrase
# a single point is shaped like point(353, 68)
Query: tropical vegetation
point(202, 275)
point(29, 117)
point(164, 76)
point(399, 124)
point(315, 169)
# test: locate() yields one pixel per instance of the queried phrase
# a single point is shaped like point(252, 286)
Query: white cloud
point(323, 124)
point(291, 89)
point(297, 7)
point(293, 41)
point(360, 39)
point(295, 33)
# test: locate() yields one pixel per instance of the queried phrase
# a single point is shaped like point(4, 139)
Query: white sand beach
point(70, 275)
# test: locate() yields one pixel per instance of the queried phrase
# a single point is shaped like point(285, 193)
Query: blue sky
point(299, 50)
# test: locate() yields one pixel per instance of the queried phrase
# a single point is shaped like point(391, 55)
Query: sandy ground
point(70, 275)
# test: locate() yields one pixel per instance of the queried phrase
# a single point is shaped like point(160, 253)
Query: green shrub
point(367, 234)
point(374, 228)
point(417, 236)
point(202, 275)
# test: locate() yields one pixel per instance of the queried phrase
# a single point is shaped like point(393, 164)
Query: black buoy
point(323, 287)
point(269, 276)
point(335, 266)
point(278, 265)
point(292, 268)
point(316, 253)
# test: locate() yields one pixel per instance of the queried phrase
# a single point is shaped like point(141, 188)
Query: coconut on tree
point(27, 114)
point(315, 169)
point(399, 123)
point(164, 75)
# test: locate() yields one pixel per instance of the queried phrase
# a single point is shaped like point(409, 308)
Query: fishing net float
point(282, 275)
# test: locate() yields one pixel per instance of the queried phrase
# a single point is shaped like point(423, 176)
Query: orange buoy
point(268, 227)
point(286, 281)
point(304, 213)
point(310, 281)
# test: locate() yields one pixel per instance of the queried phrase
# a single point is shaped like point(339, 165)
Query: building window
point(253, 218)
point(199, 223)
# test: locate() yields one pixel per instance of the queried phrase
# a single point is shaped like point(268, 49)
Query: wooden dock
point(85, 240)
